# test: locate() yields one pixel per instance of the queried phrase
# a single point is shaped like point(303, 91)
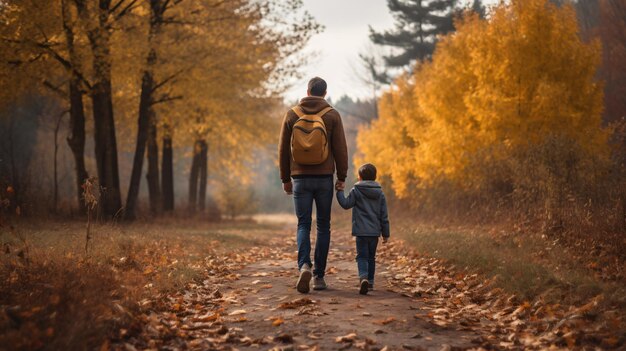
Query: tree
point(479, 8)
point(44, 53)
point(76, 140)
point(228, 59)
point(612, 32)
point(509, 104)
point(98, 19)
point(206, 58)
point(418, 23)
point(372, 73)
point(146, 120)
point(167, 170)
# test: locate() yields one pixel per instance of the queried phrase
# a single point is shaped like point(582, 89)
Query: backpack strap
point(298, 111)
point(323, 112)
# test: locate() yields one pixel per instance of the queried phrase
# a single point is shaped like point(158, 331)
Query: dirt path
point(336, 318)
point(248, 301)
point(264, 309)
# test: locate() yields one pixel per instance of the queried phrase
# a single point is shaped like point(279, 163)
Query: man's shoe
point(371, 285)
point(319, 283)
point(364, 286)
point(304, 279)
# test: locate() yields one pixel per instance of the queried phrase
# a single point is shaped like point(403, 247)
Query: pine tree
point(479, 8)
point(418, 23)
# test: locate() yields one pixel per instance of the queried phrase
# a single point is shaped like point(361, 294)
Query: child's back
point(370, 220)
point(369, 209)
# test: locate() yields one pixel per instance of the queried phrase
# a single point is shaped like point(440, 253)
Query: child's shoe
point(304, 279)
point(363, 287)
point(371, 285)
point(319, 283)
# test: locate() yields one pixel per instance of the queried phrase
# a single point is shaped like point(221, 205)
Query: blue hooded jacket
point(369, 209)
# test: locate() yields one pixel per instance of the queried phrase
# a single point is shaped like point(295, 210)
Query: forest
point(141, 204)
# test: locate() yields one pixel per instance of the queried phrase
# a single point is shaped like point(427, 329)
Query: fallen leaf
point(296, 303)
point(313, 336)
point(386, 321)
point(346, 338)
point(237, 312)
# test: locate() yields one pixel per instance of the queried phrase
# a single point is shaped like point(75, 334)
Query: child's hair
point(367, 172)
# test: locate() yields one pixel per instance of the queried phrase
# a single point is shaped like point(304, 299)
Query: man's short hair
point(317, 86)
point(367, 172)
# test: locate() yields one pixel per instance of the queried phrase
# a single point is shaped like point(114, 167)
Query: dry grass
point(56, 297)
point(530, 266)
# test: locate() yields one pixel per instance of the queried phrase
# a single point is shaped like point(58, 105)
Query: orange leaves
point(386, 321)
point(492, 89)
point(277, 321)
point(296, 303)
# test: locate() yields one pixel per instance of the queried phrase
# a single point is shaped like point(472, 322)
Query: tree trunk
point(146, 132)
point(167, 172)
point(204, 151)
point(56, 166)
point(76, 140)
point(104, 123)
point(143, 121)
point(193, 176)
point(154, 188)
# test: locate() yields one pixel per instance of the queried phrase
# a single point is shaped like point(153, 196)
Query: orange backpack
point(309, 140)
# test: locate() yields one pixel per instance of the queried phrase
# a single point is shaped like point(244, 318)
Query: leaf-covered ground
point(175, 285)
point(246, 299)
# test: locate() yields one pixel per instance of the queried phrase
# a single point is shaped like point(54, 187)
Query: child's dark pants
point(366, 256)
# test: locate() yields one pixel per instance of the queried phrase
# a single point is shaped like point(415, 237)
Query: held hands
point(288, 188)
point(385, 240)
point(340, 186)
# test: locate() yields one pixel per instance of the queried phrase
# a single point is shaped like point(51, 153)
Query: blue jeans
point(366, 256)
point(305, 191)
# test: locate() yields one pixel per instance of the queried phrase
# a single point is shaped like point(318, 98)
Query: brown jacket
point(338, 154)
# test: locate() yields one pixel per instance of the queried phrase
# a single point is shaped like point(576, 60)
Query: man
point(313, 181)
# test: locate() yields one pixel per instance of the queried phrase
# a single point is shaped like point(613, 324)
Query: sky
point(334, 52)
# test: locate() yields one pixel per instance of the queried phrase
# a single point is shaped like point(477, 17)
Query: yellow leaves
point(493, 88)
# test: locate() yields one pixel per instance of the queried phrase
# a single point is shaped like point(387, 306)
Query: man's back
point(338, 151)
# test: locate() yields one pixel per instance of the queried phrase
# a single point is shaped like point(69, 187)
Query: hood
point(369, 188)
point(313, 104)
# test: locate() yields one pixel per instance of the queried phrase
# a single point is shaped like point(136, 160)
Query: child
point(369, 221)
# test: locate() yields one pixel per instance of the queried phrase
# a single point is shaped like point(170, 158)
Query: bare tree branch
point(166, 98)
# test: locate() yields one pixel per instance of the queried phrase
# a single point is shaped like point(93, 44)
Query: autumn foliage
point(505, 118)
